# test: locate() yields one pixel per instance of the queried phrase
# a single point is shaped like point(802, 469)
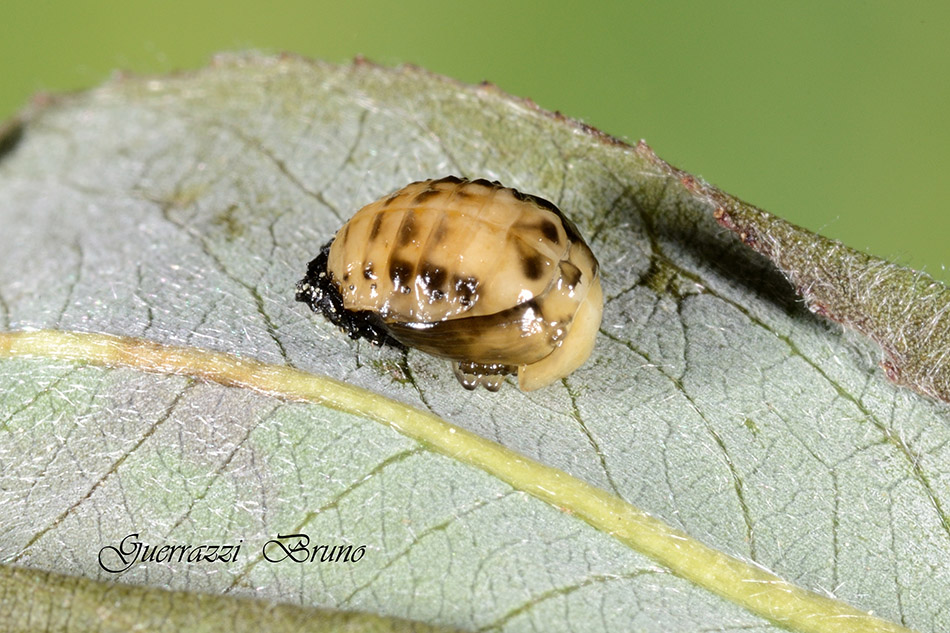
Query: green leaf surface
point(34, 600)
point(176, 213)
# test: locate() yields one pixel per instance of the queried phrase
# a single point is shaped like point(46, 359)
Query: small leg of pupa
point(491, 376)
point(493, 383)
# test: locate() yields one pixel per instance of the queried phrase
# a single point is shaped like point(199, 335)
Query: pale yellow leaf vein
point(745, 584)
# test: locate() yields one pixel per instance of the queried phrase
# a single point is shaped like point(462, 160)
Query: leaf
point(64, 603)
point(169, 219)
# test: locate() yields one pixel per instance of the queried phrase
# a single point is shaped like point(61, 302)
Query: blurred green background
point(833, 115)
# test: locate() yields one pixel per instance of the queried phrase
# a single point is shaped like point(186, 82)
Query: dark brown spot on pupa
point(433, 280)
point(422, 196)
point(377, 222)
point(439, 233)
point(532, 263)
point(533, 266)
point(368, 272)
point(407, 228)
point(543, 230)
point(549, 231)
point(400, 272)
point(570, 273)
point(465, 288)
point(433, 276)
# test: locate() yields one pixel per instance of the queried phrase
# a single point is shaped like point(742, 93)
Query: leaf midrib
point(742, 583)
